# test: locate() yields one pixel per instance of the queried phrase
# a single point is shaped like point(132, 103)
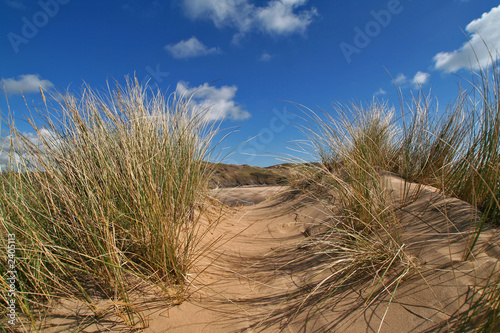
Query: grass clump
point(459, 151)
point(483, 314)
point(456, 151)
point(353, 152)
point(362, 237)
point(108, 195)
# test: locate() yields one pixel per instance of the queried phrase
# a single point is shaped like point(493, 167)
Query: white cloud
point(400, 79)
point(276, 17)
point(484, 30)
point(220, 101)
point(15, 152)
point(421, 78)
point(220, 12)
point(7, 159)
point(190, 48)
point(265, 57)
point(380, 92)
point(27, 83)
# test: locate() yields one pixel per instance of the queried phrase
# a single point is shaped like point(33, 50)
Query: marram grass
point(456, 150)
point(110, 192)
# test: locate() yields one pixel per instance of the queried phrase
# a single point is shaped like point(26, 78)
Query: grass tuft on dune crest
point(456, 150)
point(108, 194)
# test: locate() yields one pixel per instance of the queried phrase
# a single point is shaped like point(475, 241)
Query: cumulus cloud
point(484, 30)
point(220, 12)
point(421, 78)
point(220, 101)
point(4, 152)
point(13, 154)
point(380, 92)
point(276, 17)
point(400, 79)
point(190, 48)
point(27, 83)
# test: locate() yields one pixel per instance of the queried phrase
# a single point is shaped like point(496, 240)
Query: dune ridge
point(253, 281)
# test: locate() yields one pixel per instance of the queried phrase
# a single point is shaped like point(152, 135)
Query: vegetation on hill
point(456, 150)
point(230, 175)
point(109, 196)
point(112, 193)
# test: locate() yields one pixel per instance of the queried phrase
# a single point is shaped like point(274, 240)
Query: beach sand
point(250, 281)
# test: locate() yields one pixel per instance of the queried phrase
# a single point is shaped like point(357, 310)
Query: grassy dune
point(115, 193)
point(457, 151)
point(225, 175)
point(117, 198)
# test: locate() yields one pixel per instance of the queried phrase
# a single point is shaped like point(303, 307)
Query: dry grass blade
point(112, 190)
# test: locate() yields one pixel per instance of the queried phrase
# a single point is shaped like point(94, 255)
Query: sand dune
point(251, 281)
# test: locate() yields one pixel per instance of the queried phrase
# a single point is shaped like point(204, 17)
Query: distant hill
point(230, 175)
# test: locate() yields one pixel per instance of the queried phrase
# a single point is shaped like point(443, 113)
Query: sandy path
point(226, 297)
point(247, 195)
point(243, 285)
point(244, 290)
point(225, 286)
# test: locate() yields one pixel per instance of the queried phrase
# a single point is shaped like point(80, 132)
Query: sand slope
point(253, 281)
point(248, 286)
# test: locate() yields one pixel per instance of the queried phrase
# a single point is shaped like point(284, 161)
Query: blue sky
point(245, 58)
